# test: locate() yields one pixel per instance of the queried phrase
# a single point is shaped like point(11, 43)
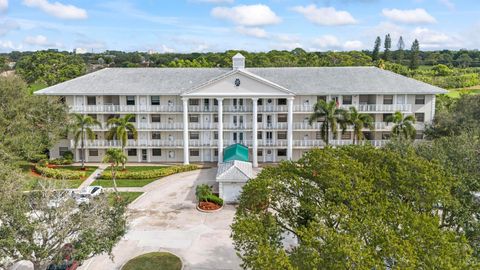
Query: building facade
point(191, 114)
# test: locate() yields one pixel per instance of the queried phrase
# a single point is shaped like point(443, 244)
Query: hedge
point(59, 173)
point(212, 198)
point(148, 174)
point(60, 161)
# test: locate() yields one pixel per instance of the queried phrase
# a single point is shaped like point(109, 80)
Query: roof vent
point(238, 61)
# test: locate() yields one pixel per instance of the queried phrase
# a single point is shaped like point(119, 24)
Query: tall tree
point(49, 67)
point(82, 130)
point(37, 226)
point(376, 49)
point(400, 50)
point(331, 117)
point(114, 156)
point(354, 207)
point(120, 128)
point(415, 55)
point(387, 46)
point(403, 127)
point(359, 121)
point(29, 125)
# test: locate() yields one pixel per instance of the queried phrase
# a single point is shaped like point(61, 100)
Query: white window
point(282, 135)
point(91, 100)
point(194, 102)
point(282, 152)
point(388, 99)
point(194, 135)
point(156, 135)
point(419, 99)
point(132, 152)
point(93, 152)
point(130, 100)
point(62, 151)
point(155, 100)
point(156, 118)
point(194, 152)
point(193, 118)
point(156, 152)
point(282, 118)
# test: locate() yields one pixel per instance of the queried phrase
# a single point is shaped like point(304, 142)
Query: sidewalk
point(93, 176)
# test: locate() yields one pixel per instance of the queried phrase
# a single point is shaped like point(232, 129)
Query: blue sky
point(218, 25)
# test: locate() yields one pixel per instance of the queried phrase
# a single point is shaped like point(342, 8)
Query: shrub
point(42, 163)
point(60, 161)
point(38, 157)
point(68, 155)
point(213, 198)
point(148, 174)
point(58, 173)
point(202, 191)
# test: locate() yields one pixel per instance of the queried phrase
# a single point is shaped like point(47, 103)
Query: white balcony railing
point(125, 108)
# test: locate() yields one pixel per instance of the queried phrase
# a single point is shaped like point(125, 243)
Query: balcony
point(130, 143)
point(363, 108)
point(125, 108)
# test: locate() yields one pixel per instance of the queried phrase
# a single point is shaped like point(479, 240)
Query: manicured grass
point(75, 183)
point(129, 182)
point(127, 196)
point(455, 93)
point(36, 86)
point(123, 182)
point(140, 168)
point(154, 261)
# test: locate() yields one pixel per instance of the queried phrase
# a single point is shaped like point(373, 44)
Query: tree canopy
point(50, 67)
point(28, 124)
point(353, 207)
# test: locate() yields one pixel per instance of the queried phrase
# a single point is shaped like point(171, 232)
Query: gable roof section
point(235, 152)
point(235, 72)
point(300, 81)
point(234, 171)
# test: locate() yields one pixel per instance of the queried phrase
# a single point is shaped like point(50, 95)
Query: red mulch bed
point(209, 206)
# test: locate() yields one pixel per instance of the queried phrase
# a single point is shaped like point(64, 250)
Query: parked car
point(86, 194)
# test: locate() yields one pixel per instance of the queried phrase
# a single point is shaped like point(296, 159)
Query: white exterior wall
point(206, 127)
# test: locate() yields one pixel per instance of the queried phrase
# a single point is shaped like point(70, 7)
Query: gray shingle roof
point(301, 81)
point(234, 171)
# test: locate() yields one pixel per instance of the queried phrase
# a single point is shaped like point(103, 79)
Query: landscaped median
point(61, 176)
point(139, 176)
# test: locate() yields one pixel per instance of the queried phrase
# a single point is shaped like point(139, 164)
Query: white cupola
point(238, 61)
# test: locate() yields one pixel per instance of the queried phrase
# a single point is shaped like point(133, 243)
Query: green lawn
point(36, 86)
point(123, 182)
point(127, 196)
point(154, 261)
point(129, 182)
point(455, 93)
point(35, 180)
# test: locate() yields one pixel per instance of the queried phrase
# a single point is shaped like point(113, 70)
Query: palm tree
point(82, 129)
point(114, 156)
point(403, 125)
point(119, 128)
point(359, 121)
point(332, 118)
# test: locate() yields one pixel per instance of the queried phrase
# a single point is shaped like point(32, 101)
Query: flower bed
point(148, 174)
point(207, 201)
point(58, 173)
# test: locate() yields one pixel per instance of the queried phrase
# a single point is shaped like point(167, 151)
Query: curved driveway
point(165, 218)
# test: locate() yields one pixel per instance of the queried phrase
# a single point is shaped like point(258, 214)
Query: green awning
point(235, 152)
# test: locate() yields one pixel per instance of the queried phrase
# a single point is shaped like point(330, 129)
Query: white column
point(290, 128)
point(254, 133)
point(220, 130)
point(186, 151)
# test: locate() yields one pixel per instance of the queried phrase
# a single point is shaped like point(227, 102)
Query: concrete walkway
point(165, 219)
point(93, 176)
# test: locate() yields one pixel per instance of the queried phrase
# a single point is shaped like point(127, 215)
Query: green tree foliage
point(415, 55)
point(376, 49)
point(119, 128)
point(358, 121)
point(454, 117)
point(331, 116)
point(351, 208)
point(442, 70)
point(403, 126)
point(35, 226)
point(400, 53)
point(115, 157)
point(29, 125)
point(82, 130)
point(50, 67)
point(387, 46)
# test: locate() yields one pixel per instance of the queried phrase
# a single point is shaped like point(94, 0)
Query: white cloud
point(409, 16)
point(448, 4)
point(247, 15)
point(252, 31)
point(214, 1)
point(326, 42)
point(57, 9)
point(353, 45)
point(41, 41)
point(3, 5)
point(165, 49)
point(8, 26)
point(7, 45)
point(327, 16)
point(433, 39)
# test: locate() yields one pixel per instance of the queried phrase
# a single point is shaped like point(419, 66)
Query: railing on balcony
point(363, 107)
point(125, 108)
point(130, 143)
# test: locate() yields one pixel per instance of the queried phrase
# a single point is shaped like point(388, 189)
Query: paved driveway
point(165, 218)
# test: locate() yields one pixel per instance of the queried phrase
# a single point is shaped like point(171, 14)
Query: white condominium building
point(191, 114)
